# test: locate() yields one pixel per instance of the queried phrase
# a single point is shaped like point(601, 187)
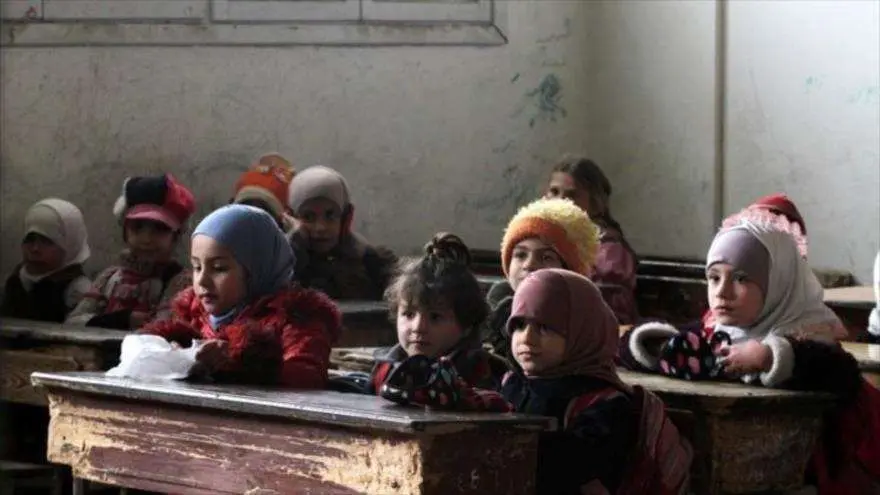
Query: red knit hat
point(161, 199)
point(268, 180)
point(780, 204)
point(776, 209)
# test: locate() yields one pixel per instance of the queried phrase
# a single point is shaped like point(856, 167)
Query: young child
point(583, 182)
point(765, 297)
point(776, 209)
point(266, 185)
point(260, 327)
point(330, 257)
point(439, 309)
point(548, 233)
point(50, 281)
point(611, 438)
point(152, 212)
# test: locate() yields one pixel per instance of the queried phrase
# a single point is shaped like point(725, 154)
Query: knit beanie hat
point(779, 210)
point(561, 224)
point(268, 181)
point(161, 199)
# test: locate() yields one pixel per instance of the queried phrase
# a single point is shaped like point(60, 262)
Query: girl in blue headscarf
point(260, 326)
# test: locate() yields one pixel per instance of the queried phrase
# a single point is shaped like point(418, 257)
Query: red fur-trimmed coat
point(280, 339)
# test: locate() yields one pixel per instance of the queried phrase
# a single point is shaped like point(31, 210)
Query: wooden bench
point(853, 305)
point(188, 438)
point(868, 357)
point(746, 439)
point(366, 323)
point(27, 346)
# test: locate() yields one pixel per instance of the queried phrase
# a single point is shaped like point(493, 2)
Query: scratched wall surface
point(804, 117)
point(430, 138)
point(651, 119)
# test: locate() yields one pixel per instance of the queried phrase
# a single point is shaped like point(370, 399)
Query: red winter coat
point(280, 339)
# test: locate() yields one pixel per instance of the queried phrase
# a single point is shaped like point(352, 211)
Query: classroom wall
point(456, 137)
point(803, 96)
point(430, 138)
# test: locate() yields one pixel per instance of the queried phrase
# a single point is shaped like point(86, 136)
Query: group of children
point(266, 269)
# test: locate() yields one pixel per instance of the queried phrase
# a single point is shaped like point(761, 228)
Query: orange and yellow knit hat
point(560, 223)
point(268, 180)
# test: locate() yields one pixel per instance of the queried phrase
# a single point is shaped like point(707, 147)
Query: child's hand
point(748, 357)
point(213, 354)
point(137, 319)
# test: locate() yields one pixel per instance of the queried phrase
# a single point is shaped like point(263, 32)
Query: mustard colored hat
point(560, 223)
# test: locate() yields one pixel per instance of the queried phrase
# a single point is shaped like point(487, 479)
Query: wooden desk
point(27, 346)
point(868, 357)
point(365, 323)
point(746, 439)
point(201, 439)
point(853, 306)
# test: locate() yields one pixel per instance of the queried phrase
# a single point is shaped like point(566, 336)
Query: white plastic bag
point(151, 356)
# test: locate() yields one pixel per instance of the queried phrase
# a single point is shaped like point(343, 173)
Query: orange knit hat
point(267, 180)
point(560, 223)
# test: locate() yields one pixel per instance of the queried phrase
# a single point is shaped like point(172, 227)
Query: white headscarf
point(61, 222)
point(794, 300)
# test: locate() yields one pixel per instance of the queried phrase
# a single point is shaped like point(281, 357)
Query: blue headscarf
point(256, 243)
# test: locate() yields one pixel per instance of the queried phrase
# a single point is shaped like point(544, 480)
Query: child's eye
point(436, 316)
point(409, 315)
point(740, 278)
point(554, 192)
point(330, 215)
point(520, 255)
point(220, 268)
point(548, 258)
point(308, 217)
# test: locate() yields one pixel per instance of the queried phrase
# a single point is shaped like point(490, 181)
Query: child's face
point(536, 348)
point(40, 255)
point(218, 280)
point(149, 240)
point(430, 332)
point(733, 298)
point(321, 220)
point(528, 256)
point(563, 185)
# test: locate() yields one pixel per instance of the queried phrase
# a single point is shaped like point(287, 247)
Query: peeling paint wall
point(437, 138)
point(430, 138)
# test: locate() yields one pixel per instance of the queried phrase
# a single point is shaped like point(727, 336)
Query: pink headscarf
point(568, 303)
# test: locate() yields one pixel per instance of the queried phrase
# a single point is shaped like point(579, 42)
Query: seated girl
point(548, 233)
point(611, 437)
point(778, 210)
point(330, 256)
point(260, 327)
point(439, 310)
point(50, 280)
point(152, 212)
point(764, 296)
point(582, 181)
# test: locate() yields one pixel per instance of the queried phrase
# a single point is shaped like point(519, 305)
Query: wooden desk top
point(853, 297)
point(325, 407)
point(363, 358)
point(14, 328)
point(868, 355)
point(358, 308)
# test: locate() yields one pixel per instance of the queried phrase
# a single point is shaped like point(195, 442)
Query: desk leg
point(79, 486)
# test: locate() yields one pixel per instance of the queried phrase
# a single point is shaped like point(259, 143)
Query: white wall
point(804, 117)
point(429, 137)
point(455, 138)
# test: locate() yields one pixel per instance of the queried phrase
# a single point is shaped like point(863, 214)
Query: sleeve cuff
point(641, 334)
point(874, 322)
point(783, 362)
